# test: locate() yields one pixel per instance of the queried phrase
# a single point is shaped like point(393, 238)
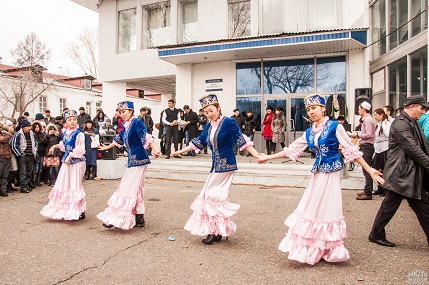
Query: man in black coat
point(406, 172)
point(191, 129)
point(239, 120)
point(82, 117)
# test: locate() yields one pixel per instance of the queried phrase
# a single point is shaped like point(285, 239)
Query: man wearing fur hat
point(5, 156)
point(24, 146)
point(366, 142)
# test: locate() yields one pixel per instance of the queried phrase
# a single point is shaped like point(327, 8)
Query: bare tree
point(17, 93)
point(83, 51)
point(239, 18)
point(31, 52)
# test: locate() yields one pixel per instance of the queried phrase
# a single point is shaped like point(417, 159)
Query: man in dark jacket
point(239, 120)
point(406, 172)
point(82, 118)
point(191, 129)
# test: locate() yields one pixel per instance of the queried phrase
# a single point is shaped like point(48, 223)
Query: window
point(378, 29)
point(88, 108)
point(322, 14)
point(420, 19)
point(272, 16)
point(252, 103)
point(398, 83)
point(398, 16)
point(238, 18)
point(127, 31)
point(63, 104)
point(248, 78)
point(289, 76)
point(188, 19)
point(42, 103)
point(331, 74)
point(98, 105)
point(419, 72)
point(156, 24)
point(87, 84)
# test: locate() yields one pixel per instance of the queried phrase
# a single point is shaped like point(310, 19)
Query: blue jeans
point(188, 140)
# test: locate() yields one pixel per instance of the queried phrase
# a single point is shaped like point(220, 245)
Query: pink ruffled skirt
point(212, 208)
point(317, 227)
point(127, 200)
point(67, 198)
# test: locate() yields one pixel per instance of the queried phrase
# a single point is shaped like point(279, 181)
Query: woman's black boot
point(210, 239)
point(140, 220)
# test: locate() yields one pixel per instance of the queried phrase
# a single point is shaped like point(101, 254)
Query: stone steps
point(270, 174)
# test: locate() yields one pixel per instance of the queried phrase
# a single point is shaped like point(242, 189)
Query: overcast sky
point(55, 22)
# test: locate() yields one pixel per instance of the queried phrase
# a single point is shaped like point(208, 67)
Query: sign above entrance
point(214, 85)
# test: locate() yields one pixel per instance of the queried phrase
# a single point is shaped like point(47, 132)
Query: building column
point(113, 93)
point(184, 90)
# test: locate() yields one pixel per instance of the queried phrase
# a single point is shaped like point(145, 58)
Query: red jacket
point(268, 131)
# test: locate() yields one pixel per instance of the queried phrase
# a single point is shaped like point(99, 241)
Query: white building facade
point(251, 53)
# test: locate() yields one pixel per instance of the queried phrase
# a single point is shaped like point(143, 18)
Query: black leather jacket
point(407, 166)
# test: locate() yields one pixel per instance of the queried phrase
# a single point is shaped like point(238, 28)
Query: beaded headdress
point(70, 113)
point(125, 105)
point(208, 99)
point(315, 99)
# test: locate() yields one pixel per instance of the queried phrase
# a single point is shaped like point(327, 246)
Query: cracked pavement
point(35, 250)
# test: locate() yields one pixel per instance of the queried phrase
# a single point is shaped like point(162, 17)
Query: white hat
point(366, 105)
point(8, 123)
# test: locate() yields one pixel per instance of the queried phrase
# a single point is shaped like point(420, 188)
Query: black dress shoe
point(177, 156)
point(377, 192)
point(107, 226)
point(24, 191)
point(210, 239)
point(4, 194)
point(383, 242)
point(167, 157)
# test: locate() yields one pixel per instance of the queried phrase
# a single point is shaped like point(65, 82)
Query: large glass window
point(420, 19)
point(398, 16)
point(238, 18)
point(252, 103)
point(63, 103)
point(398, 83)
point(289, 76)
point(188, 19)
point(127, 31)
point(156, 24)
point(378, 29)
point(419, 72)
point(322, 14)
point(331, 74)
point(248, 78)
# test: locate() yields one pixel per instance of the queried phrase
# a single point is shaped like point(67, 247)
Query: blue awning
point(263, 47)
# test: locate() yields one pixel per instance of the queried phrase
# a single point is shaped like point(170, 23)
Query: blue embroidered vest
point(134, 139)
point(327, 156)
point(69, 144)
point(226, 136)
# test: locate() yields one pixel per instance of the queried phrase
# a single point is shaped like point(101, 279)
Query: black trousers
point(171, 132)
point(25, 168)
point(388, 209)
point(368, 152)
point(4, 173)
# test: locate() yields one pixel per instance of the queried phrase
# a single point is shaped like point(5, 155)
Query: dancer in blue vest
point(212, 208)
point(317, 227)
point(126, 206)
point(67, 197)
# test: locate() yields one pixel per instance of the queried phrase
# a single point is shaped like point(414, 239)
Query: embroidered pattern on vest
point(69, 144)
point(220, 164)
point(327, 157)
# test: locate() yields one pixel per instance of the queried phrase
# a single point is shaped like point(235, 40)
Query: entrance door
point(296, 115)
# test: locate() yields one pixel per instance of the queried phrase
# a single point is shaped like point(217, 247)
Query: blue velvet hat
point(208, 99)
point(125, 105)
point(314, 100)
point(70, 113)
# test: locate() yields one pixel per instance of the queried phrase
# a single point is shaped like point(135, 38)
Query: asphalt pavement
point(35, 250)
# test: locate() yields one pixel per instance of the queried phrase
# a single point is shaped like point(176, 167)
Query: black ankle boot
point(82, 216)
point(210, 239)
point(87, 173)
point(140, 220)
point(93, 172)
